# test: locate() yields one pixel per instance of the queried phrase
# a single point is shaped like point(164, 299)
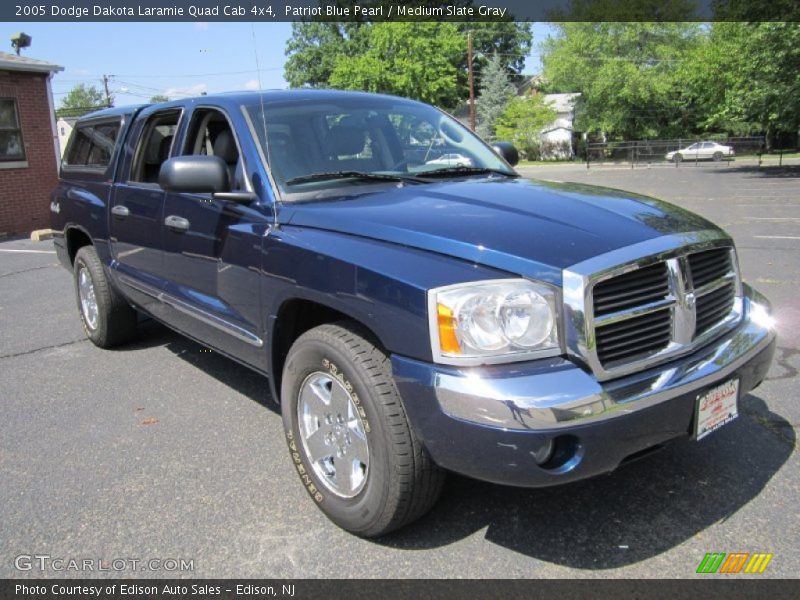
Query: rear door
point(706, 150)
point(136, 219)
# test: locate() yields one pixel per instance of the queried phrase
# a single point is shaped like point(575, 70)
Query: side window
point(210, 134)
point(11, 146)
point(92, 145)
point(80, 145)
point(104, 137)
point(155, 146)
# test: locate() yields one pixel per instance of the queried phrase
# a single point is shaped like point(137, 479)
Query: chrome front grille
point(712, 278)
point(629, 316)
point(628, 338)
point(713, 307)
point(631, 289)
point(709, 266)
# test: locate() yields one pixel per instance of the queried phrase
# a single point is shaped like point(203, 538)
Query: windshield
point(344, 141)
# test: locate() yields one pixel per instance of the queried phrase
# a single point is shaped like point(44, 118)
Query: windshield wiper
point(464, 170)
point(352, 175)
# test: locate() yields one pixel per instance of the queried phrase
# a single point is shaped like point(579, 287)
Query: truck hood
point(530, 228)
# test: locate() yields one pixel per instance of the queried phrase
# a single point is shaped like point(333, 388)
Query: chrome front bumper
point(562, 395)
point(490, 422)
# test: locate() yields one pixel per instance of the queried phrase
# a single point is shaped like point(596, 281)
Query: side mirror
point(507, 152)
point(194, 175)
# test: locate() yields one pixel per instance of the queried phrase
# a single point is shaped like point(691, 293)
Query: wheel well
point(76, 239)
point(295, 317)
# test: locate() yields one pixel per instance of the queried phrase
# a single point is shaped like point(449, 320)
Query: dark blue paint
point(528, 228)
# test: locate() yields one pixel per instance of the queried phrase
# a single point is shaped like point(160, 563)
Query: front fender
point(381, 285)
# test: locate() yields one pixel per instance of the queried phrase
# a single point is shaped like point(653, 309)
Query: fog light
point(543, 454)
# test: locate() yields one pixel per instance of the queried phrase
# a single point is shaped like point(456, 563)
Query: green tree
point(495, 93)
point(522, 123)
point(627, 73)
point(312, 51)
point(416, 59)
point(509, 40)
point(315, 47)
point(746, 78)
point(159, 98)
point(80, 100)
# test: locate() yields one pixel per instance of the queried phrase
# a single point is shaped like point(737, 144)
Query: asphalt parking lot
point(163, 449)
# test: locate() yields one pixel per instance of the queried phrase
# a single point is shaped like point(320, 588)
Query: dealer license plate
point(716, 407)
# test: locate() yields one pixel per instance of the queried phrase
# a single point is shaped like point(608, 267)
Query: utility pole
point(106, 79)
point(471, 83)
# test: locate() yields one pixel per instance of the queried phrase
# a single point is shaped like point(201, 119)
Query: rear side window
point(92, 145)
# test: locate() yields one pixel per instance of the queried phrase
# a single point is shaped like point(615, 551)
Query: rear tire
point(348, 435)
point(717, 156)
point(107, 319)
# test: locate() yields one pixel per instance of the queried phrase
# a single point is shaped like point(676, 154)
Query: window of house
point(92, 145)
point(11, 146)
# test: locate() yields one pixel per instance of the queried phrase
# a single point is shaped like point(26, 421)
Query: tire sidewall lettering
point(303, 470)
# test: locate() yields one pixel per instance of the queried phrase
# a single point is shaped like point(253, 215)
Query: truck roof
point(239, 97)
point(114, 111)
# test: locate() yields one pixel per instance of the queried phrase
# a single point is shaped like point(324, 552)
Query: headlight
point(493, 321)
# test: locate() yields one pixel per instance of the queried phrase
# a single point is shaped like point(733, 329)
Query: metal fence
point(648, 152)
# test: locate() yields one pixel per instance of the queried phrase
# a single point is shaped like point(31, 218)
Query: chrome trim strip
point(643, 309)
point(684, 316)
point(557, 394)
point(714, 285)
point(193, 311)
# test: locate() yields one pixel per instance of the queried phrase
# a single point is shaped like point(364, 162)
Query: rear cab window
point(92, 145)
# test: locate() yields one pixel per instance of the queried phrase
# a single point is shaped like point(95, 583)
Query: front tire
point(676, 158)
point(107, 319)
point(348, 434)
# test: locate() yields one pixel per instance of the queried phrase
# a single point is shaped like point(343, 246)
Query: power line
point(186, 75)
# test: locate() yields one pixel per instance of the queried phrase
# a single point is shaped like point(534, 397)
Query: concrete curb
point(42, 234)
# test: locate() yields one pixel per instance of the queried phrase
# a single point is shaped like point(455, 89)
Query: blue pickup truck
point(416, 306)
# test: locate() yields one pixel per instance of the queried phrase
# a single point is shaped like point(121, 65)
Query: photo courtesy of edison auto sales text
point(169, 589)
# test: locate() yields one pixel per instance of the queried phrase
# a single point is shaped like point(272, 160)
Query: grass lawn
point(548, 163)
point(554, 163)
point(776, 156)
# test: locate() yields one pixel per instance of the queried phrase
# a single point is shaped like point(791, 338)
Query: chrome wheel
point(87, 298)
point(333, 434)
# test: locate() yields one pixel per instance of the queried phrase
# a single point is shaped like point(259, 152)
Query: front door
point(212, 251)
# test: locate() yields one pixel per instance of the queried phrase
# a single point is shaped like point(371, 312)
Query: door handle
point(177, 223)
point(119, 210)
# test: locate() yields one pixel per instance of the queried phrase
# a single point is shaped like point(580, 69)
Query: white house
point(64, 127)
point(557, 137)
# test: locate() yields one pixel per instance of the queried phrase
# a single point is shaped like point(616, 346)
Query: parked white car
point(701, 151)
point(451, 160)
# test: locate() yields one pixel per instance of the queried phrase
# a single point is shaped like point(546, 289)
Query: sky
point(174, 59)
